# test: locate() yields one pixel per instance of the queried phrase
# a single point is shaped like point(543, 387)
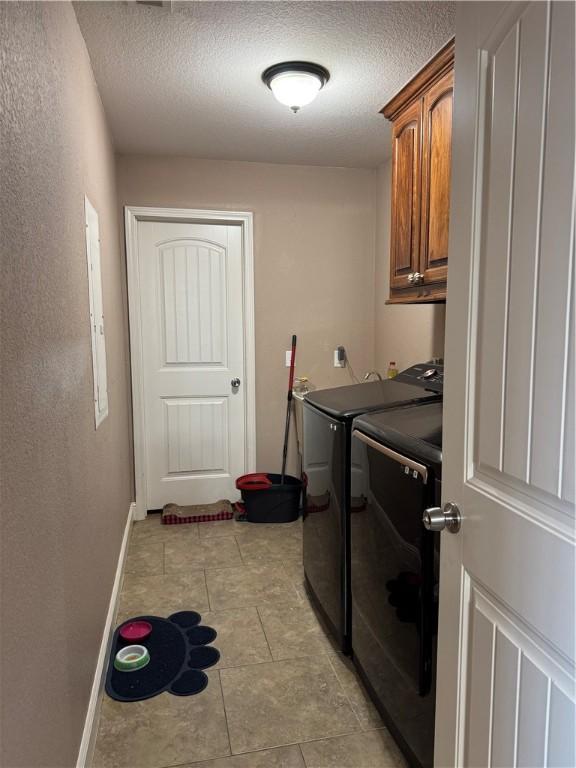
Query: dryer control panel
point(426, 375)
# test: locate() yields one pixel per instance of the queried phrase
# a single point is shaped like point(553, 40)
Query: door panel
point(436, 165)
point(524, 326)
point(192, 330)
point(506, 639)
point(405, 196)
point(193, 302)
point(525, 248)
point(196, 435)
point(510, 715)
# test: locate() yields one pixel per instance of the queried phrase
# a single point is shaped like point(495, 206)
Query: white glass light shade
point(295, 89)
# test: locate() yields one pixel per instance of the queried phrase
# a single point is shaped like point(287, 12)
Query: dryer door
point(394, 592)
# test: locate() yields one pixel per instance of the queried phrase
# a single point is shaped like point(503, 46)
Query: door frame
point(133, 214)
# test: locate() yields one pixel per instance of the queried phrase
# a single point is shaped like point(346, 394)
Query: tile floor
point(281, 695)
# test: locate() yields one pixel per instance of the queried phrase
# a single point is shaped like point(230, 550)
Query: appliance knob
point(438, 519)
point(235, 383)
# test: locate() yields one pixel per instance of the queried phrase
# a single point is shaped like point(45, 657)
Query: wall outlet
point(288, 358)
point(339, 357)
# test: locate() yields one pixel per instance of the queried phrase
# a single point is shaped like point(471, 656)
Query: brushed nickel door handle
point(439, 519)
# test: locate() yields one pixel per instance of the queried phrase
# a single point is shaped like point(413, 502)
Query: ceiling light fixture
point(295, 83)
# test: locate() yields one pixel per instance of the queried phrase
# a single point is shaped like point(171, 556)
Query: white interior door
point(505, 694)
point(192, 328)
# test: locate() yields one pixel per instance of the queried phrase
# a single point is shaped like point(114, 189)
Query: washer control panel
point(427, 375)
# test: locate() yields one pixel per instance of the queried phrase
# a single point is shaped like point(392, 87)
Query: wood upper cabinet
point(421, 116)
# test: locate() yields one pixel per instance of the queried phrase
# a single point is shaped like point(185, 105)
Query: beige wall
point(314, 231)
point(405, 333)
point(66, 488)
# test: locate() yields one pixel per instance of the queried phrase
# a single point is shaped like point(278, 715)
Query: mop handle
point(288, 409)
point(292, 363)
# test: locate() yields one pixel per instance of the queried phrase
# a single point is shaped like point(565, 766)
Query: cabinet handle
point(417, 278)
point(410, 278)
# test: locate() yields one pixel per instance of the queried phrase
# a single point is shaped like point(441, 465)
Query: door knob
point(235, 383)
point(438, 518)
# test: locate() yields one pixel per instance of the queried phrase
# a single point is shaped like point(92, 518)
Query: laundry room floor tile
point(284, 702)
point(374, 749)
point(162, 731)
point(162, 595)
point(365, 710)
point(270, 548)
point(293, 631)
point(244, 528)
point(274, 532)
point(200, 553)
point(295, 571)
point(248, 586)
point(241, 639)
point(216, 528)
point(145, 558)
point(283, 757)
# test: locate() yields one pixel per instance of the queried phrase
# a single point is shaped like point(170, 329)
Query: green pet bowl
point(131, 658)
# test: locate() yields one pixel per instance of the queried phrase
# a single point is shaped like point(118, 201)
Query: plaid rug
point(174, 514)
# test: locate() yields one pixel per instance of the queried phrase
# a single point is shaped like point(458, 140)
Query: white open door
point(505, 693)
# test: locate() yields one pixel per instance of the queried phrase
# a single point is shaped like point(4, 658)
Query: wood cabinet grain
point(406, 140)
point(436, 164)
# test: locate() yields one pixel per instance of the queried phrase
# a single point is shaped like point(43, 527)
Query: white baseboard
point(89, 732)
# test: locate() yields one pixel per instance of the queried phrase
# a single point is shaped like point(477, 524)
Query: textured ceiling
point(185, 79)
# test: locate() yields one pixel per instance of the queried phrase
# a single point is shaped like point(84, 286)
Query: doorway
point(191, 310)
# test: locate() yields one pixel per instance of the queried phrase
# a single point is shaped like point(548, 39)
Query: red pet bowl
point(135, 630)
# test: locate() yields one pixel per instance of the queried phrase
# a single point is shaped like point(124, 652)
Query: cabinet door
point(436, 160)
point(404, 238)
